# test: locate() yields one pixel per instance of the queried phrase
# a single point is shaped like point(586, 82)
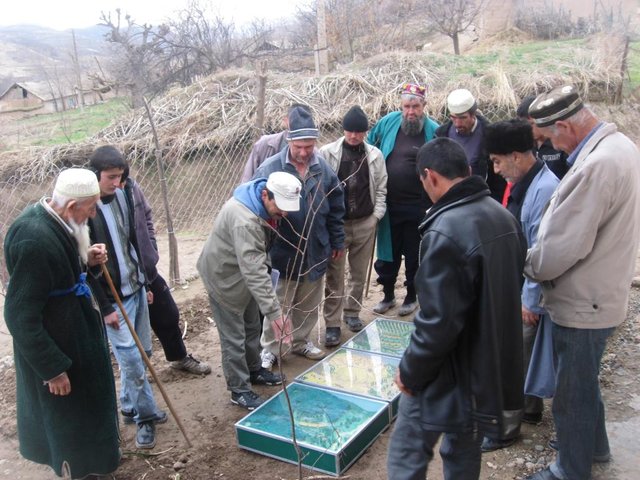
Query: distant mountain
point(33, 53)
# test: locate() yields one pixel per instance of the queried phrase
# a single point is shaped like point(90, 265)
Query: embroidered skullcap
point(558, 104)
point(413, 89)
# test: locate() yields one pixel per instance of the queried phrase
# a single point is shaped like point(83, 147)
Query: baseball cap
point(286, 190)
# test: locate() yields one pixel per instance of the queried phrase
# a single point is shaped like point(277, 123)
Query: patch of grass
point(69, 126)
point(633, 62)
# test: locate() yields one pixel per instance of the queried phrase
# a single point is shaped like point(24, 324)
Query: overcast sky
point(64, 14)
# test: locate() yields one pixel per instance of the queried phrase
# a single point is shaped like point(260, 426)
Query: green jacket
point(383, 135)
point(53, 334)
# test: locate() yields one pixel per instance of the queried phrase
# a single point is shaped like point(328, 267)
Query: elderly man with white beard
point(66, 403)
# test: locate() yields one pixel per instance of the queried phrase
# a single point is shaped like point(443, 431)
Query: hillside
point(30, 53)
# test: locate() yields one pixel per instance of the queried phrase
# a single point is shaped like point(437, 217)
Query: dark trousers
point(405, 241)
point(164, 318)
point(411, 447)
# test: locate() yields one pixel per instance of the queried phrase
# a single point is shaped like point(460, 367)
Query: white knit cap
point(286, 191)
point(460, 101)
point(77, 183)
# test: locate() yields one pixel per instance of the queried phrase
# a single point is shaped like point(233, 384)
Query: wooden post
point(322, 51)
point(262, 87)
point(174, 267)
point(623, 70)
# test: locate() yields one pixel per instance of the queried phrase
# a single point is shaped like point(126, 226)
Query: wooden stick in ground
point(373, 253)
point(105, 272)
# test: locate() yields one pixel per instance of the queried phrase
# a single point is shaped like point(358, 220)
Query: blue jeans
point(135, 391)
point(411, 448)
point(578, 410)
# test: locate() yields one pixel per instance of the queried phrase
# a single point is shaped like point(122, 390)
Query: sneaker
point(354, 323)
point(332, 337)
point(407, 307)
point(265, 377)
point(249, 400)
point(127, 417)
point(192, 365)
point(384, 306)
point(146, 436)
point(311, 352)
point(268, 359)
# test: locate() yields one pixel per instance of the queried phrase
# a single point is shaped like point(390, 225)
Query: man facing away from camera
point(461, 374)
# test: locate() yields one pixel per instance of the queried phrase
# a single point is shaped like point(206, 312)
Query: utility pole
point(322, 53)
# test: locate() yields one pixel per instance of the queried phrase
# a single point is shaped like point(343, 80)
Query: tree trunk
point(456, 43)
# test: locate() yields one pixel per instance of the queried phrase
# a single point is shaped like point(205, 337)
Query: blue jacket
point(383, 135)
point(535, 200)
point(307, 237)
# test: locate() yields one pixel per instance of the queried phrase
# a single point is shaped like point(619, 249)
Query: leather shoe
point(545, 474)
point(407, 308)
point(384, 306)
point(491, 444)
point(332, 337)
point(353, 323)
point(532, 418)
point(604, 458)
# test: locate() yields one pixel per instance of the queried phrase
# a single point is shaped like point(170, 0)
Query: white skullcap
point(286, 191)
point(77, 183)
point(460, 101)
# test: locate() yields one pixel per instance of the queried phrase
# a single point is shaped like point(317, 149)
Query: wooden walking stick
point(373, 252)
point(105, 272)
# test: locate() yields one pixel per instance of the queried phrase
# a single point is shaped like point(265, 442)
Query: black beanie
point(355, 120)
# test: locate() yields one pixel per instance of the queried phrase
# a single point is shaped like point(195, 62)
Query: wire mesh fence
point(205, 131)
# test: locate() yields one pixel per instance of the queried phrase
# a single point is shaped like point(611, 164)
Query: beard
point(412, 127)
point(81, 236)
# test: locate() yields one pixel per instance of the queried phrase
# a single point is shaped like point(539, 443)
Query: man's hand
point(112, 320)
point(149, 297)
point(60, 385)
point(401, 386)
point(529, 318)
point(282, 329)
point(336, 254)
point(97, 254)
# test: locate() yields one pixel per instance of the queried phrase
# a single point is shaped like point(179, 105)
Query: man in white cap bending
point(307, 240)
point(467, 127)
point(66, 396)
point(236, 272)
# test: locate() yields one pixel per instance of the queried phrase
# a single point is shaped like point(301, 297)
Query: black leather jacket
point(464, 361)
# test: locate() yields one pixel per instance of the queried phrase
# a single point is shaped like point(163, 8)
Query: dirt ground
point(205, 410)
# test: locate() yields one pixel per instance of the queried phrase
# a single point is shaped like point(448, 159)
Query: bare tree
point(138, 50)
point(197, 42)
point(452, 17)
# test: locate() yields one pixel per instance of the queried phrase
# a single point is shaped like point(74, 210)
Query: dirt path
point(208, 416)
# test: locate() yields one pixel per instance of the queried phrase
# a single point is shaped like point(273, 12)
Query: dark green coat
point(51, 335)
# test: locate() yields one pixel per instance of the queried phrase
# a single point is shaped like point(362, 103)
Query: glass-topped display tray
point(359, 372)
point(332, 428)
point(389, 337)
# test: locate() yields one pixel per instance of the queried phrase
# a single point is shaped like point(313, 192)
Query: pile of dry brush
point(217, 113)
